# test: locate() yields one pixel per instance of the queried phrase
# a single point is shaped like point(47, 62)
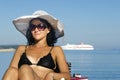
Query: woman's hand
point(49, 76)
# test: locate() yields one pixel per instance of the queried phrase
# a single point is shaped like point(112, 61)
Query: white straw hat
point(22, 23)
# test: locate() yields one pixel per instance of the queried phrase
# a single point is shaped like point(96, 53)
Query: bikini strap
point(51, 49)
point(25, 48)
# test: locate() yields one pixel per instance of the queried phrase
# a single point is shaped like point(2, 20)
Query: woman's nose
point(36, 29)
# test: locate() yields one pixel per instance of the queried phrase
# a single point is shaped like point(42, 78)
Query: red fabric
point(82, 78)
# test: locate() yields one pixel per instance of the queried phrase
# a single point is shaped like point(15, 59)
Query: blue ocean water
point(96, 64)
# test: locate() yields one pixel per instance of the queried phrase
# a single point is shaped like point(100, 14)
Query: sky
point(95, 22)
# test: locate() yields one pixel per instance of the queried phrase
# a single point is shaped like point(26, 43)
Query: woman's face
point(39, 30)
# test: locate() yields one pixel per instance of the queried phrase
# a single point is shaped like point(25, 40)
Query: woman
point(40, 59)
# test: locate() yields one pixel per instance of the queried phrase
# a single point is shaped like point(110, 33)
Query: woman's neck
point(41, 44)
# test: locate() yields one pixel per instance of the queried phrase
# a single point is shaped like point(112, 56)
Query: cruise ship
point(80, 46)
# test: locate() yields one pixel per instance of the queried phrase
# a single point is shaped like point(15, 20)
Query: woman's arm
point(62, 64)
point(19, 51)
point(12, 72)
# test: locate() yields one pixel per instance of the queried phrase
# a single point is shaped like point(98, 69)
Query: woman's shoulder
point(57, 47)
point(58, 51)
point(21, 48)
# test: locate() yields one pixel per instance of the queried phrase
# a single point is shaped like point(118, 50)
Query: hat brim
point(22, 23)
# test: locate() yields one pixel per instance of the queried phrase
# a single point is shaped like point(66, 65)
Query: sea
point(94, 64)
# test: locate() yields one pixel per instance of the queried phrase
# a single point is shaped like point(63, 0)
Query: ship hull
point(77, 47)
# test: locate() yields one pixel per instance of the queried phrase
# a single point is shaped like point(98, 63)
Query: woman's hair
point(51, 38)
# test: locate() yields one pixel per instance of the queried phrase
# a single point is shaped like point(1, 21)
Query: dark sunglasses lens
point(40, 27)
point(32, 27)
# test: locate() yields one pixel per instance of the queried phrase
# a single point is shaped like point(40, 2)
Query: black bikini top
point(46, 61)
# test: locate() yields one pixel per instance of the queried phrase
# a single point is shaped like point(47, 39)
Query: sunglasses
point(40, 27)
